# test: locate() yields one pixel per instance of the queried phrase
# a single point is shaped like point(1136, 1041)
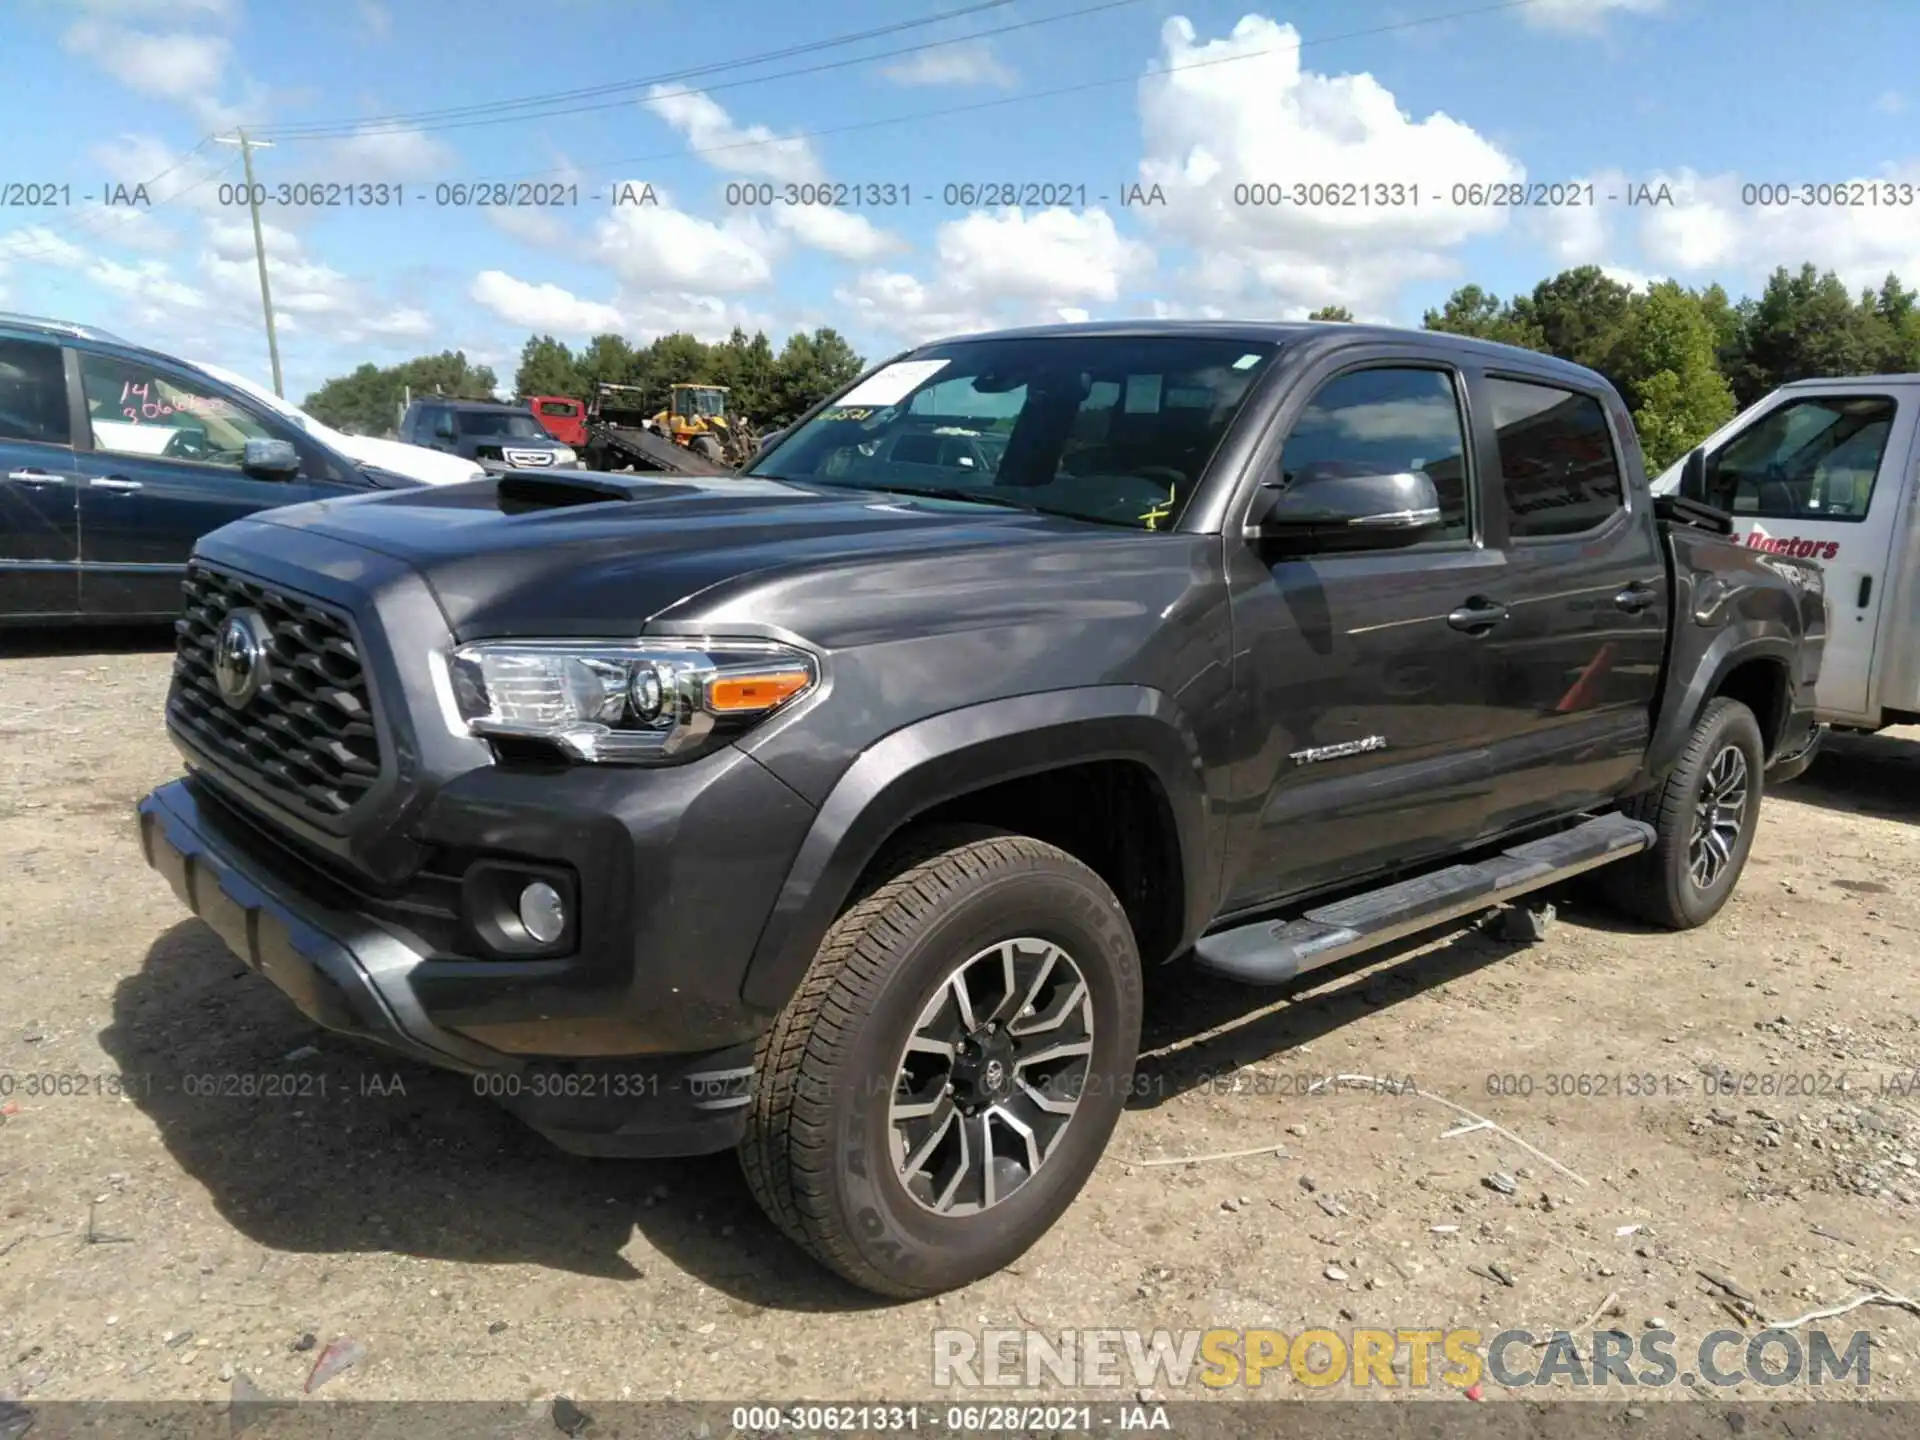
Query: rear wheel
point(1704, 818)
point(947, 1075)
point(707, 448)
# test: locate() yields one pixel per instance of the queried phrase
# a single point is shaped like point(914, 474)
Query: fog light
point(542, 912)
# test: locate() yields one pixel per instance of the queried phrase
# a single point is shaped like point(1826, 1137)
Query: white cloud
point(170, 9)
point(1713, 232)
point(175, 65)
point(402, 323)
point(663, 246)
point(376, 155)
point(745, 150)
point(1583, 16)
point(171, 176)
point(965, 62)
point(43, 246)
point(705, 317)
point(149, 282)
point(542, 307)
point(845, 233)
point(1890, 102)
point(1209, 126)
point(539, 228)
point(996, 269)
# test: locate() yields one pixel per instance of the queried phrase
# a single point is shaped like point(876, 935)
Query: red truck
point(564, 418)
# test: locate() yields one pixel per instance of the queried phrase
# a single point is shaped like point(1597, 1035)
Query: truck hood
point(582, 553)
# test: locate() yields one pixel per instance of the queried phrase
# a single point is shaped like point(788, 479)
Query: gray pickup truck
point(833, 811)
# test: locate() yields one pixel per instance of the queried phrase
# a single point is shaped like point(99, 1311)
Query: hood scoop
point(521, 491)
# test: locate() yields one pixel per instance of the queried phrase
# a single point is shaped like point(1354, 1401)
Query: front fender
point(950, 755)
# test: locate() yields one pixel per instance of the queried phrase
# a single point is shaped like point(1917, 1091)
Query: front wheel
point(945, 1079)
point(1704, 817)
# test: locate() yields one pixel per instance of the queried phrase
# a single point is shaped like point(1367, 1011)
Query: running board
point(1272, 952)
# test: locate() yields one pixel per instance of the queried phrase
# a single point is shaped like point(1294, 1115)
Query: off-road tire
point(817, 1149)
point(1657, 886)
point(708, 448)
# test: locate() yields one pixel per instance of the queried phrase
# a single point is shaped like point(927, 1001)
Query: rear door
point(39, 507)
point(159, 468)
point(1574, 657)
point(1818, 476)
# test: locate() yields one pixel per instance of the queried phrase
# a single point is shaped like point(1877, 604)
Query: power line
point(413, 119)
point(86, 232)
point(1004, 100)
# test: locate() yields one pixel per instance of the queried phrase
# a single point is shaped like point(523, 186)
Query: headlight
point(626, 703)
point(564, 455)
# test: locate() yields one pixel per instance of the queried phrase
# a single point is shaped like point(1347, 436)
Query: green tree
point(1803, 326)
point(548, 367)
point(810, 368)
point(369, 400)
point(1472, 311)
point(1670, 375)
point(1581, 315)
point(1332, 312)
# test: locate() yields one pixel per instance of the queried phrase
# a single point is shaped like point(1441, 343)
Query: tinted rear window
point(1556, 459)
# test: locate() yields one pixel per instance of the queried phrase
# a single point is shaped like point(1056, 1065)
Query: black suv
point(492, 435)
point(835, 810)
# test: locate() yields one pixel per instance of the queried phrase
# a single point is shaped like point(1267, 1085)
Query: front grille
point(307, 737)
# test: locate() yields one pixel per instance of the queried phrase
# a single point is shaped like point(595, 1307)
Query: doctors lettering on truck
point(1824, 470)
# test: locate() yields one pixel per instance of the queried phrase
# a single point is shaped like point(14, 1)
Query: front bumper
point(352, 974)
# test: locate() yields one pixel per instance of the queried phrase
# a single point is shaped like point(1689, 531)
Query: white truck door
point(1818, 474)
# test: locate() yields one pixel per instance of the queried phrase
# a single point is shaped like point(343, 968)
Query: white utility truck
point(1826, 470)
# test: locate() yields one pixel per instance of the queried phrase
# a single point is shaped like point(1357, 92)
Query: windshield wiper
point(960, 492)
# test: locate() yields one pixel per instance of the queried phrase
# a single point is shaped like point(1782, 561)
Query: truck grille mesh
point(308, 736)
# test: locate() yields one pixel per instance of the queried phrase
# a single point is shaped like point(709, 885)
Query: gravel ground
point(1743, 1100)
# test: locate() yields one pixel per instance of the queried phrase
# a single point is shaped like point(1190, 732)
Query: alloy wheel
point(991, 1076)
point(1719, 812)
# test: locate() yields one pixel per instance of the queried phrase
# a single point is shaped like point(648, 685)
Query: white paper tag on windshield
point(893, 384)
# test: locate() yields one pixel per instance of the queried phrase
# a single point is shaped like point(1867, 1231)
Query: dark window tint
point(1812, 459)
point(1385, 422)
point(1556, 459)
point(515, 424)
point(33, 393)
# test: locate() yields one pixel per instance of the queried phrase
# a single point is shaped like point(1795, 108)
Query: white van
point(1826, 470)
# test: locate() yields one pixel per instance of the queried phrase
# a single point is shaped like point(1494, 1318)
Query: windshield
point(510, 423)
point(1117, 428)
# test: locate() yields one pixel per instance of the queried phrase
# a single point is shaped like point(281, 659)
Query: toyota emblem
point(240, 651)
point(995, 1076)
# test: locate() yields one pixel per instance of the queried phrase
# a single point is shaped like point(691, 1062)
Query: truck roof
point(1292, 332)
point(1812, 380)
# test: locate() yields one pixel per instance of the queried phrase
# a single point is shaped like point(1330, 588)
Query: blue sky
point(1702, 96)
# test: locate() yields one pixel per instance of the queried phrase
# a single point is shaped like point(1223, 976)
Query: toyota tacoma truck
point(834, 811)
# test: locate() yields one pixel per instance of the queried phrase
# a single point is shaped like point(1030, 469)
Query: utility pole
point(247, 147)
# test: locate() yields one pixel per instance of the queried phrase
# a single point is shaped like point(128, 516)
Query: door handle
point(1635, 598)
point(36, 477)
point(114, 482)
point(1477, 615)
point(1866, 592)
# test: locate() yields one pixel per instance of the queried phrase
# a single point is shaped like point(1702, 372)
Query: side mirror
point(1693, 475)
point(1328, 510)
point(270, 459)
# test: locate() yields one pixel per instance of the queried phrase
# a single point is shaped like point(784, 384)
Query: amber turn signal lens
point(732, 694)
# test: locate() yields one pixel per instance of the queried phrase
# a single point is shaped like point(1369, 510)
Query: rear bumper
point(351, 974)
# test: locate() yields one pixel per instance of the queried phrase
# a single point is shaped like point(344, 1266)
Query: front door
point(39, 510)
point(1817, 476)
point(164, 469)
point(1368, 693)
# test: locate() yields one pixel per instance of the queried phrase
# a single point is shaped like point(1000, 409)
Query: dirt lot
point(1752, 1120)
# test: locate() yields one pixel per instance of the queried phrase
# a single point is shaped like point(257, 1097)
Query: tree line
point(1686, 361)
point(768, 388)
